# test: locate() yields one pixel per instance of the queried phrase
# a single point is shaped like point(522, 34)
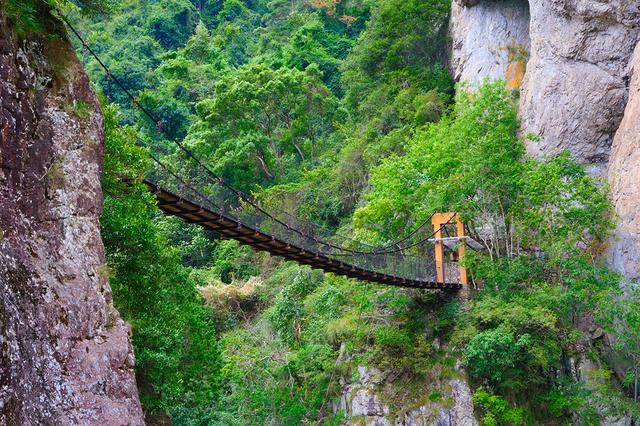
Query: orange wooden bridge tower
point(444, 269)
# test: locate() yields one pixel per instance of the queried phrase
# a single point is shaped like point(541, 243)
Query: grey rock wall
point(489, 40)
point(65, 354)
point(624, 177)
point(576, 84)
point(365, 401)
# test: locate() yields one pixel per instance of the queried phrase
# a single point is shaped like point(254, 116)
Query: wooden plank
point(229, 228)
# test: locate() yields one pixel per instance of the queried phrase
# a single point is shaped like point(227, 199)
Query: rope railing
point(413, 263)
point(182, 149)
point(184, 174)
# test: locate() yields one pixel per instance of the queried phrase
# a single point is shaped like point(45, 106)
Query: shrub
point(496, 410)
point(286, 314)
point(498, 356)
point(232, 302)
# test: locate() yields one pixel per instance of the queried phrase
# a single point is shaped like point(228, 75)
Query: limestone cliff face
point(490, 40)
point(65, 354)
point(576, 84)
point(624, 176)
point(575, 88)
point(366, 401)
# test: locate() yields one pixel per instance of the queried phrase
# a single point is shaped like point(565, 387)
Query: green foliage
point(268, 120)
point(285, 365)
point(469, 160)
point(622, 319)
point(310, 44)
point(233, 261)
point(171, 23)
point(400, 48)
point(288, 307)
point(472, 162)
point(26, 16)
point(515, 341)
point(37, 16)
point(196, 247)
point(496, 410)
point(498, 356)
point(279, 368)
point(392, 338)
point(177, 354)
point(571, 399)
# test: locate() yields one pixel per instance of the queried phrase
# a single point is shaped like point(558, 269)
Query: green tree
point(261, 122)
point(400, 48)
point(622, 319)
point(177, 353)
point(497, 410)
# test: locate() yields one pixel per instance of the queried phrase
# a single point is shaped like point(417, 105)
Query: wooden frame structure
point(438, 221)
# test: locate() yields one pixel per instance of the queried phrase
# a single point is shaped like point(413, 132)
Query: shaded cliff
point(576, 84)
point(65, 354)
point(490, 40)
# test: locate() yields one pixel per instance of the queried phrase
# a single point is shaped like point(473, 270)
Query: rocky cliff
point(367, 400)
point(570, 59)
point(624, 176)
point(490, 40)
point(65, 354)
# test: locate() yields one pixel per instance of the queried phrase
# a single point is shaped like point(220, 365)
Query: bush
point(498, 356)
point(496, 410)
point(232, 303)
point(286, 313)
point(392, 338)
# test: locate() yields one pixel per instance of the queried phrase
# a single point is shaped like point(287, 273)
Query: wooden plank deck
point(174, 205)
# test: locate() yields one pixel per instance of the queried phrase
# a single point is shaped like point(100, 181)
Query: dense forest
point(344, 112)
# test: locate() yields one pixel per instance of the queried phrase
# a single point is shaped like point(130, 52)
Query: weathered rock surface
point(576, 83)
point(624, 177)
point(490, 39)
point(364, 402)
point(65, 354)
point(575, 88)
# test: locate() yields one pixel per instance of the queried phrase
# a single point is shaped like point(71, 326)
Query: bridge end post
point(461, 252)
point(438, 220)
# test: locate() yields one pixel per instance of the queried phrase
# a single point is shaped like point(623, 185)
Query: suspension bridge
point(186, 187)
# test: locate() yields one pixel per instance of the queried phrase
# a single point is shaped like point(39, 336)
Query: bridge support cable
point(351, 245)
point(188, 188)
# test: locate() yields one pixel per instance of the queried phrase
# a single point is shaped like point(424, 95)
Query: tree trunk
point(264, 167)
point(300, 153)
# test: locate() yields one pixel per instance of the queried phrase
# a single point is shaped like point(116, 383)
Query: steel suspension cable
point(426, 239)
point(218, 180)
